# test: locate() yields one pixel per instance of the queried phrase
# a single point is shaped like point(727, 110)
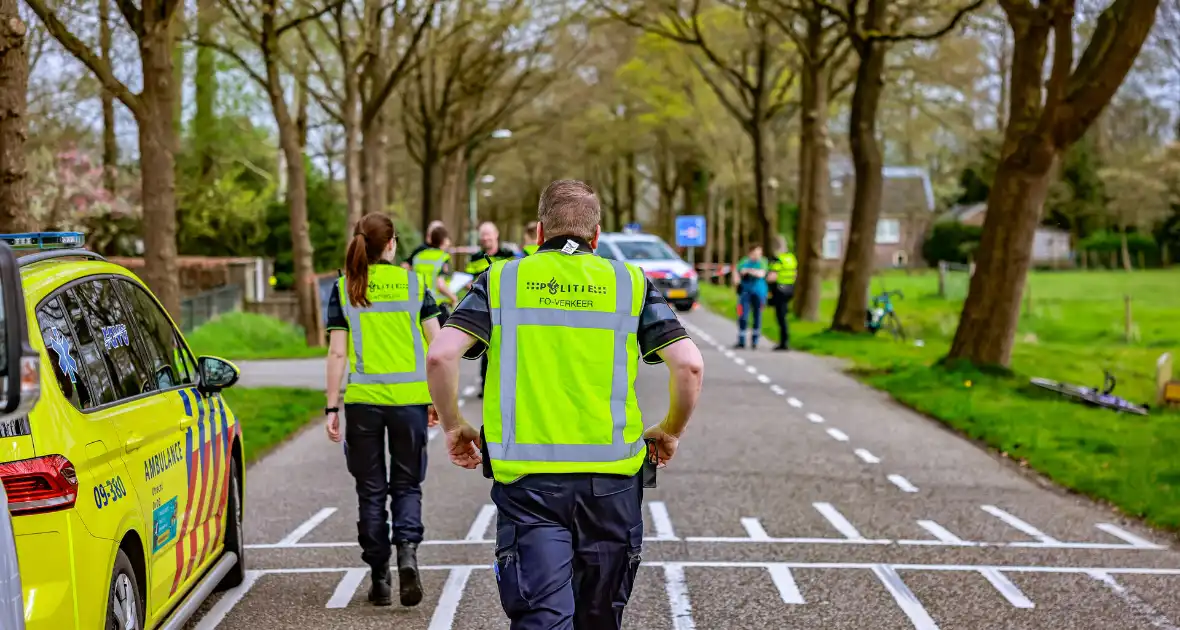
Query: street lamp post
point(472, 197)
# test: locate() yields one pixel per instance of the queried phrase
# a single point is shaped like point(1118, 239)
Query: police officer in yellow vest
point(530, 239)
point(783, 270)
point(490, 252)
point(563, 435)
point(381, 320)
point(433, 264)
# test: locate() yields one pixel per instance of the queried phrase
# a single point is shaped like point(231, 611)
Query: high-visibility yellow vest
point(560, 391)
point(787, 268)
point(386, 345)
point(529, 250)
point(429, 263)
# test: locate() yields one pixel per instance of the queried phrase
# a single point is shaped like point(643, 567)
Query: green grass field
point(1072, 326)
point(270, 414)
point(242, 336)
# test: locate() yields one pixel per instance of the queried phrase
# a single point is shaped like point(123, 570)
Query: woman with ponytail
point(381, 318)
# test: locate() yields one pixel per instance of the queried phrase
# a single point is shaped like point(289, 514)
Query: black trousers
point(367, 429)
point(567, 549)
point(781, 300)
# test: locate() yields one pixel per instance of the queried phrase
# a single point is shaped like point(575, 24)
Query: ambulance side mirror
point(20, 365)
point(216, 374)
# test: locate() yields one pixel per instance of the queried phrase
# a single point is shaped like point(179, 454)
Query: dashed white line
point(764, 379)
point(838, 521)
point(676, 586)
point(469, 391)
point(1010, 591)
point(752, 370)
point(940, 532)
point(305, 528)
point(754, 529)
point(868, 457)
point(794, 402)
point(448, 601)
point(777, 390)
point(838, 435)
point(349, 582)
point(739, 360)
point(1019, 524)
point(903, 483)
point(1118, 532)
point(661, 521)
point(483, 520)
point(785, 581)
point(815, 417)
point(904, 597)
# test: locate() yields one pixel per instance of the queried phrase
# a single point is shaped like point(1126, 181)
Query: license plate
point(677, 293)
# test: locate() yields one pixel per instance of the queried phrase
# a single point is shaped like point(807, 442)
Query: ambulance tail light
point(41, 484)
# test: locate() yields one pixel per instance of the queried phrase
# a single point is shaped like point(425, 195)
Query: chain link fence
point(200, 308)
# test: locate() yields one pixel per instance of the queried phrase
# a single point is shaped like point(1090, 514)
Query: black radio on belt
point(486, 464)
point(650, 462)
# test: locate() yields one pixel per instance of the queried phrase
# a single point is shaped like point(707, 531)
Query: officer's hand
point(431, 416)
point(333, 426)
point(666, 444)
point(463, 446)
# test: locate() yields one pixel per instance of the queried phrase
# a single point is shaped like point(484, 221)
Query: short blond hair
point(569, 208)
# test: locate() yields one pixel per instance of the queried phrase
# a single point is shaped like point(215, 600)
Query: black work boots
point(380, 593)
point(409, 586)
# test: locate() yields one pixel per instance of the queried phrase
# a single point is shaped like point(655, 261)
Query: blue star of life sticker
point(61, 345)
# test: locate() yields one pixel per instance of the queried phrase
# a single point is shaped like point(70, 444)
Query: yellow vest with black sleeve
point(787, 268)
point(428, 264)
point(560, 391)
point(386, 345)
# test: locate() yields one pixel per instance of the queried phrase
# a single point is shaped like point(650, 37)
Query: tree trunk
point(618, 166)
point(767, 223)
point(866, 159)
point(301, 99)
point(14, 81)
point(992, 310)
point(373, 164)
point(110, 144)
point(352, 157)
point(430, 162)
point(632, 198)
point(1124, 249)
point(813, 176)
point(454, 190)
point(157, 150)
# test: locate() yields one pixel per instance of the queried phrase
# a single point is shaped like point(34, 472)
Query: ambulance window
point(110, 324)
point(60, 344)
point(164, 354)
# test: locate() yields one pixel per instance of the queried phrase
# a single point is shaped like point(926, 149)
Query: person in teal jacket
point(752, 290)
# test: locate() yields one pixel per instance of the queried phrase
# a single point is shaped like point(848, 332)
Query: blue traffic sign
point(690, 231)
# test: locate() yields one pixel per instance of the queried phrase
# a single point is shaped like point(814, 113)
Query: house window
point(888, 231)
point(833, 242)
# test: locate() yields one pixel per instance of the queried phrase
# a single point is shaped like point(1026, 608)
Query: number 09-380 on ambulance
point(125, 480)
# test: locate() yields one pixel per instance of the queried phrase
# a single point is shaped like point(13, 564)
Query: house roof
point(964, 212)
point(906, 190)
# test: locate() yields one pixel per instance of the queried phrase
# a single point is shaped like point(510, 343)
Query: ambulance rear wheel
point(125, 602)
point(234, 541)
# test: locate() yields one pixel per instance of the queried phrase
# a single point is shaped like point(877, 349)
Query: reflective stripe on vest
point(509, 317)
point(412, 306)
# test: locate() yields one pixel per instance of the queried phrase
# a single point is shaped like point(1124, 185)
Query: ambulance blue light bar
point(42, 241)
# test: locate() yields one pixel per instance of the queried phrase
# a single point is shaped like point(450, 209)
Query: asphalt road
point(799, 499)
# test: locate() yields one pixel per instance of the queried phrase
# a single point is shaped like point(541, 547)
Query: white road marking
point(1010, 591)
point(1135, 541)
point(754, 529)
point(729, 354)
point(433, 432)
point(940, 532)
point(739, 360)
point(868, 457)
point(764, 379)
point(796, 541)
point(902, 482)
point(838, 435)
point(794, 402)
point(462, 401)
point(448, 601)
point(816, 418)
point(1137, 605)
point(469, 390)
point(838, 521)
point(228, 600)
point(661, 521)
point(752, 370)
point(1019, 524)
point(778, 390)
point(785, 581)
point(483, 520)
point(905, 598)
point(347, 588)
point(677, 588)
point(305, 528)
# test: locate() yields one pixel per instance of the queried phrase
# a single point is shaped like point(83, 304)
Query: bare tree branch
point(373, 105)
point(314, 15)
point(131, 13)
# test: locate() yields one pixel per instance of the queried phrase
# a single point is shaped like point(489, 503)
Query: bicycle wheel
point(893, 325)
point(1073, 391)
point(1118, 404)
point(871, 323)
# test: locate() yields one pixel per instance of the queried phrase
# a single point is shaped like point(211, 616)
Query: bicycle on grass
point(1091, 396)
point(880, 315)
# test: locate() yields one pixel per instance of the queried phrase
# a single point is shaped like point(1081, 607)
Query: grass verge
point(243, 336)
point(1127, 460)
point(270, 414)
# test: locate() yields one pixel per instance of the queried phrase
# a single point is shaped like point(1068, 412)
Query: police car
point(125, 480)
point(669, 274)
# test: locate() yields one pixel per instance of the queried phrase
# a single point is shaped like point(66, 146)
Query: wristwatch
point(328, 410)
